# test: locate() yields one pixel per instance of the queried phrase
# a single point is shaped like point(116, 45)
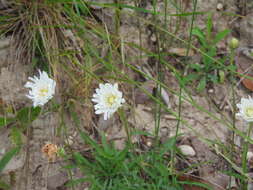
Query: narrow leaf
point(4, 185)
point(5, 121)
point(221, 35)
point(27, 115)
point(7, 157)
point(202, 84)
point(197, 32)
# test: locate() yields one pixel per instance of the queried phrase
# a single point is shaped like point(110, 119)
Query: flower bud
point(233, 43)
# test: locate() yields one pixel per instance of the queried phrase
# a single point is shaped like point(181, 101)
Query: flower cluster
point(107, 97)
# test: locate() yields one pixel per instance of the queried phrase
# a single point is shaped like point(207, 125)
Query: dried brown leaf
point(181, 52)
point(244, 61)
point(191, 178)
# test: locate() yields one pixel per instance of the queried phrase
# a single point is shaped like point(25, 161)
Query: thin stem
point(244, 155)
point(117, 17)
point(232, 56)
point(159, 74)
point(125, 124)
point(181, 88)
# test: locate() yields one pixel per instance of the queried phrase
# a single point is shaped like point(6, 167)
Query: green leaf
point(196, 66)
point(81, 160)
point(213, 78)
point(16, 136)
point(235, 175)
point(88, 140)
point(208, 58)
point(197, 32)
point(221, 35)
point(202, 84)
point(5, 121)
point(108, 150)
point(168, 145)
point(4, 185)
point(222, 76)
point(74, 182)
point(7, 157)
point(231, 68)
point(122, 154)
point(201, 37)
point(28, 114)
point(191, 77)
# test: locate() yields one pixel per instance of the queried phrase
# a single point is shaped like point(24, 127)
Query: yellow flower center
point(43, 92)
point(110, 100)
point(249, 111)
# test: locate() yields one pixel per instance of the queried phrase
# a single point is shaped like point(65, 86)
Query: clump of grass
point(32, 25)
point(105, 167)
point(45, 35)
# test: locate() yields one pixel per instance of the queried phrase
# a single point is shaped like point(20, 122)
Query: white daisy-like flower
point(108, 99)
point(42, 89)
point(246, 109)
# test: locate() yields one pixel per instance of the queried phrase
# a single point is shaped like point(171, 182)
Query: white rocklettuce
point(42, 89)
point(108, 99)
point(246, 109)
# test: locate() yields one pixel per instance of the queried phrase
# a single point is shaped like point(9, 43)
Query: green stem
point(232, 57)
point(117, 17)
point(244, 154)
point(125, 124)
point(173, 153)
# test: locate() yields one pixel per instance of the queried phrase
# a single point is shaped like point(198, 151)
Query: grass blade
point(7, 157)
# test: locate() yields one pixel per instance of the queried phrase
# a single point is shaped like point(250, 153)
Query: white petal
point(98, 112)
point(105, 116)
point(116, 86)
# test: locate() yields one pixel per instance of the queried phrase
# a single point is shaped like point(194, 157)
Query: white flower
point(108, 99)
point(246, 109)
point(42, 89)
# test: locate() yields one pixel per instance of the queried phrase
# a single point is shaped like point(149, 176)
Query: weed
point(111, 169)
point(205, 72)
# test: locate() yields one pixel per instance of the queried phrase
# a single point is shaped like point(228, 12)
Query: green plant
point(19, 123)
point(208, 70)
point(105, 167)
point(109, 168)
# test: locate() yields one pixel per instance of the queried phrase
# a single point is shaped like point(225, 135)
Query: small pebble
point(149, 143)
point(153, 38)
point(211, 91)
point(227, 108)
point(220, 7)
point(187, 150)
point(249, 155)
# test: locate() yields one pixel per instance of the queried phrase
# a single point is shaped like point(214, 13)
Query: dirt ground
point(31, 169)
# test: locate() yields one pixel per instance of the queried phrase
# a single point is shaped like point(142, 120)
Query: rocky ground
point(30, 170)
